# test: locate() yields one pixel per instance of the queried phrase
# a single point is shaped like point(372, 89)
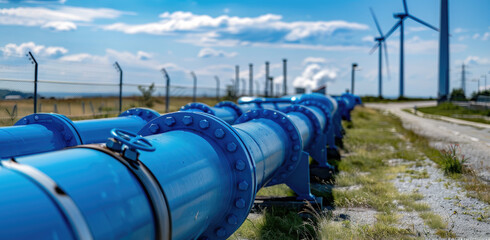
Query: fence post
point(251, 79)
point(33, 61)
point(195, 84)
point(83, 108)
point(92, 108)
point(217, 88)
point(55, 108)
point(40, 107)
point(118, 68)
point(167, 89)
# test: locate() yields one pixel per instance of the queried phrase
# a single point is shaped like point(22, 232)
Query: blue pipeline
point(226, 110)
point(192, 176)
point(44, 132)
point(322, 104)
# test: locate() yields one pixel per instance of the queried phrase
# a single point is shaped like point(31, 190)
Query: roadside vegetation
point(455, 111)
point(375, 145)
point(374, 99)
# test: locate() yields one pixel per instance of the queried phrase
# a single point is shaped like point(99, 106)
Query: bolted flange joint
point(144, 113)
point(190, 107)
point(237, 157)
point(294, 142)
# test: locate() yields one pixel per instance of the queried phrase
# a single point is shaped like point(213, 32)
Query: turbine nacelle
point(400, 15)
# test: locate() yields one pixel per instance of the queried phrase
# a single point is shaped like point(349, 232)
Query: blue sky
point(79, 41)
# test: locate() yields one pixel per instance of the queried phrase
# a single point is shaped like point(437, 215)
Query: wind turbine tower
point(402, 17)
point(443, 91)
point(379, 45)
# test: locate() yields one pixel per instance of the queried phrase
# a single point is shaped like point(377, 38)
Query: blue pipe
point(192, 176)
point(226, 110)
point(44, 132)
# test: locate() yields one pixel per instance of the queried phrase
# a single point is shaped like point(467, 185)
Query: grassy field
point(372, 99)
point(86, 108)
point(454, 111)
point(364, 181)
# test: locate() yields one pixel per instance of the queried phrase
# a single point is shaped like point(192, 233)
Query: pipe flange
point(231, 105)
point(322, 107)
point(144, 113)
point(294, 144)
point(56, 123)
point(311, 116)
point(241, 164)
point(199, 106)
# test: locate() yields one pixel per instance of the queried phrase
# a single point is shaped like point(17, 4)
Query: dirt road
point(473, 138)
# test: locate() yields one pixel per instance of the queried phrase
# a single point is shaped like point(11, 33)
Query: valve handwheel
point(132, 140)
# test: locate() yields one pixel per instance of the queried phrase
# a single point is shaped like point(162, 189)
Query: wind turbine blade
point(423, 23)
point(374, 48)
point(392, 29)
point(376, 22)
point(405, 6)
point(386, 60)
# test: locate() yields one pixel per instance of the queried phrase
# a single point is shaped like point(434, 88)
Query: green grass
point(373, 99)
point(451, 161)
point(454, 111)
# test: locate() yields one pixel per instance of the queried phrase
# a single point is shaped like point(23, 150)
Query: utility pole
point(284, 79)
point(33, 61)
point(251, 79)
point(167, 89)
point(443, 91)
point(237, 80)
point(266, 79)
point(118, 68)
point(485, 86)
point(194, 90)
point(354, 66)
point(271, 83)
point(217, 88)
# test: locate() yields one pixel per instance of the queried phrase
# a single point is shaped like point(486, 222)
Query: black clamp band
point(152, 188)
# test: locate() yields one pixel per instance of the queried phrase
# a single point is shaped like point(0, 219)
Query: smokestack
point(267, 79)
point(251, 79)
point(237, 80)
point(284, 74)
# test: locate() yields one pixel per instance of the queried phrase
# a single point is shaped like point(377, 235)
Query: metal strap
point(68, 208)
point(150, 185)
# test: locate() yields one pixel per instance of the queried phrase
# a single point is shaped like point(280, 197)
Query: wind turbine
point(380, 44)
point(402, 17)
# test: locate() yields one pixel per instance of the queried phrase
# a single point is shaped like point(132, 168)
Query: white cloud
point(475, 60)
point(60, 26)
point(310, 60)
point(417, 29)
point(210, 52)
point(127, 59)
point(58, 19)
point(368, 38)
point(417, 45)
point(315, 75)
point(476, 36)
point(227, 30)
point(459, 30)
point(13, 49)
point(485, 36)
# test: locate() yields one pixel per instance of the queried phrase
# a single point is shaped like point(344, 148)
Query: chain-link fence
point(86, 90)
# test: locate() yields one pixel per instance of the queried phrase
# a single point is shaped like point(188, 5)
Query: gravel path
point(474, 139)
point(466, 217)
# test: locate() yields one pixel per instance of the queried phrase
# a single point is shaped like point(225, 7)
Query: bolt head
point(169, 121)
point(296, 148)
point(220, 232)
point(36, 117)
point(232, 219)
point(187, 120)
point(294, 158)
point(240, 165)
point(219, 133)
point(204, 124)
point(240, 203)
point(154, 128)
point(290, 168)
point(243, 185)
point(231, 147)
